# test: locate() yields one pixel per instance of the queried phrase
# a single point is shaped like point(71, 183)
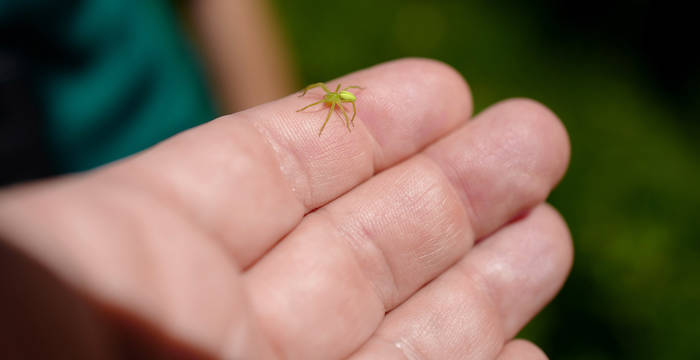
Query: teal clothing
point(113, 77)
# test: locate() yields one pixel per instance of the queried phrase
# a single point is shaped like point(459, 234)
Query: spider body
point(334, 99)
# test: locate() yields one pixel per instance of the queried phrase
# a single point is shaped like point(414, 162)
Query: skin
point(334, 98)
point(422, 235)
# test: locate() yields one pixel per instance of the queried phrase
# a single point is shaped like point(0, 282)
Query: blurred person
point(86, 82)
point(418, 234)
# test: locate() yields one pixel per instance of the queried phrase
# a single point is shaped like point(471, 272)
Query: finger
point(521, 350)
point(370, 249)
point(470, 310)
point(134, 260)
point(517, 152)
point(257, 172)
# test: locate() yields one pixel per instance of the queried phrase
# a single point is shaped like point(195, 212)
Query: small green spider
point(334, 98)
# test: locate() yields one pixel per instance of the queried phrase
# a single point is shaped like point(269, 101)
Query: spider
point(334, 98)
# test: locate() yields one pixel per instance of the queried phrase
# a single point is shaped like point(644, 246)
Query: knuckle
point(443, 219)
point(434, 194)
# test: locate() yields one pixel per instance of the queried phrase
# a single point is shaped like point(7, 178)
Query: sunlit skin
point(424, 236)
point(334, 98)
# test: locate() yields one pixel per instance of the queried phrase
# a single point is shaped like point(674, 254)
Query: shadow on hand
point(43, 318)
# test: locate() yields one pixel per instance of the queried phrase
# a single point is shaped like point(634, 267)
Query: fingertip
point(450, 83)
point(545, 245)
point(410, 103)
point(559, 236)
point(525, 130)
point(521, 350)
point(524, 264)
point(541, 130)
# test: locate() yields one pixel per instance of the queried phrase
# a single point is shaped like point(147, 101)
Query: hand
point(419, 235)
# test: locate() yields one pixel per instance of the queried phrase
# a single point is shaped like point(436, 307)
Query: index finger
point(250, 177)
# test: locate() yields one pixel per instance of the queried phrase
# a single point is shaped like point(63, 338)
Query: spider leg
point(327, 117)
point(354, 112)
point(310, 105)
point(353, 87)
point(322, 85)
point(338, 88)
point(347, 120)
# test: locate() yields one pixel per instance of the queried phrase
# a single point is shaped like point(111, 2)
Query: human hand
point(419, 235)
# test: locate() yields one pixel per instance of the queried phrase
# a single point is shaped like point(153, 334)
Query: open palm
point(421, 234)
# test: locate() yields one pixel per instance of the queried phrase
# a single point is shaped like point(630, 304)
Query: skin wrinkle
point(386, 294)
point(416, 196)
point(353, 152)
point(509, 253)
point(425, 191)
point(289, 164)
point(429, 257)
point(304, 174)
point(450, 173)
point(296, 171)
point(377, 107)
point(247, 162)
point(175, 190)
point(359, 155)
point(424, 194)
point(314, 284)
point(463, 303)
point(428, 253)
point(379, 157)
point(324, 154)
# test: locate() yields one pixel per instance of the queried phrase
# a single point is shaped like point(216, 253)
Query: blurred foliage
point(631, 103)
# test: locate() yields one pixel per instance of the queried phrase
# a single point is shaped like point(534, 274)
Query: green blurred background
point(623, 77)
point(625, 85)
